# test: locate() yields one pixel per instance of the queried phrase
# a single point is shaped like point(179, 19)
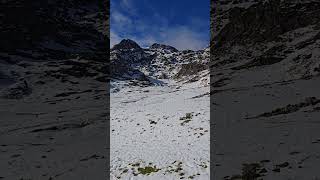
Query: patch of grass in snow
point(148, 170)
point(186, 119)
point(136, 168)
point(188, 115)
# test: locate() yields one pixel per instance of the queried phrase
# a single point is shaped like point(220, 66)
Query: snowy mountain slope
point(159, 112)
point(161, 128)
point(264, 73)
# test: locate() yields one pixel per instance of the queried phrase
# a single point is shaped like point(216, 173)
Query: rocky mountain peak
point(126, 44)
point(163, 47)
point(131, 62)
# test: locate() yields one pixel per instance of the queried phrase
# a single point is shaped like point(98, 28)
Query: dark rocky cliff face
point(44, 30)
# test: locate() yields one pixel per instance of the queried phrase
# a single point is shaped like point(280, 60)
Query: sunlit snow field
point(160, 132)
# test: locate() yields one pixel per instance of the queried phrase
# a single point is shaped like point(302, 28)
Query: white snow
point(168, 144)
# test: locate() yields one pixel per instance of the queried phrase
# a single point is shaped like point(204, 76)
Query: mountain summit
point(131, 62)
point(126, 44)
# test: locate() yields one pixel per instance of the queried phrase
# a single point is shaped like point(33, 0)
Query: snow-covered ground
point(160, 132)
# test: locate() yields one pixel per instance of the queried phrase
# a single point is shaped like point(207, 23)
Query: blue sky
point(184, 24)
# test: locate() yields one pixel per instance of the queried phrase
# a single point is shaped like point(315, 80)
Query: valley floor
point(160, 132)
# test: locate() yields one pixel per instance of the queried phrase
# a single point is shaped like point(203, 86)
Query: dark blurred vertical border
point(107, 2)
point(265, 93)
point(212, 31)
point(54, 89)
